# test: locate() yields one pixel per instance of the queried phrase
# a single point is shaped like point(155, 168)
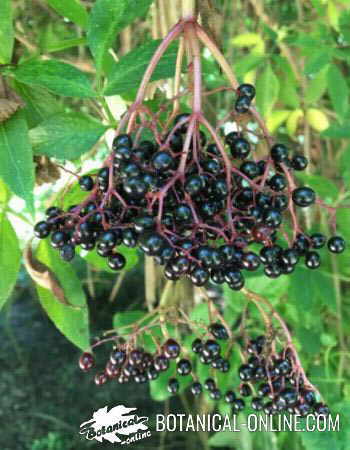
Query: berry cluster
point(277, 373)
point(279, 380)
point(196, 207)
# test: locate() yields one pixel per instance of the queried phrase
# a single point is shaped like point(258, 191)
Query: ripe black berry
point(218, 331)
point(215, 394)
point(318, 240)
point(173, 386)
point(299, 162)
point(209, 384)
point(240, 148)
point(336, 244)
point(242, 104)
point(122, 140)
point(247, 90)
point(184, 367)
point(279, 153)
point(197, 346)
point(162, 161)
point(86, 183)
point(196, 388)
point(67, 252)
point(312, 260)
point(230, 396)
point(171, 349)
point(116, 261)
point(237, 405)
point(42, 229)
point(303, 196)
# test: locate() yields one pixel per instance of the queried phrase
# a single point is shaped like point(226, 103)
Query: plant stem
point(197, 72)
point(188, 9)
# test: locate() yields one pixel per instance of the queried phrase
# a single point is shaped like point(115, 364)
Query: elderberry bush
point(196, 205)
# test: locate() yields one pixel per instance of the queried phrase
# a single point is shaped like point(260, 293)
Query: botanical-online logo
point(108, 425)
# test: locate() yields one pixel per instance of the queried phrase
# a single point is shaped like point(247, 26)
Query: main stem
point(188, 9)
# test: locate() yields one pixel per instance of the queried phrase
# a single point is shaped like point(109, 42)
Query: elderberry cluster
point(279, 381)
point(196, 208)
point(271, 379)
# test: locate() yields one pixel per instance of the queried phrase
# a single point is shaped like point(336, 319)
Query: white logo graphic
point(117, 421)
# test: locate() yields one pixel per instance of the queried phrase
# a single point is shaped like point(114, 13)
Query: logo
point(114, 425)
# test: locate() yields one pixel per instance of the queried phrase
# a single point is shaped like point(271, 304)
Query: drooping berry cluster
point(264, 374)
point(279, 380)
point(196, 207)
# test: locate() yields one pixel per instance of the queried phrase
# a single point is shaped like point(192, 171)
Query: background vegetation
point(68, 69)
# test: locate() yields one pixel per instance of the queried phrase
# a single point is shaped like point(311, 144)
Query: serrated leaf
point(338, 90)
point(293, 120)
point(276, 118)
point(16, 158)
point(317, 119)
point(72, 9)
point(66, 135)
point(10, 258)
point(56, 76)
point(6, 31)
point(72, 322)
point(267, 87)
point(107, 19)
point(128, 72)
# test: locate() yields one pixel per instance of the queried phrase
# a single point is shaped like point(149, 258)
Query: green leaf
point(10, 258)
point(16, 158)
point(73, 323)
point(56, 76)
point(101, 263)
point(338, 90)
point(107, 19)
point(200, 314)
point(39, 103)
point(127, 319)
point(128, 72)
point(72, 9)
point(344, 23)
point(65, 44)
point(268, 287)
point(301, 292)
point(337, 131)
point(317, 61)
point(324, 187)
point(267, 88)
point(317, 86)
point(343, 222)
point(6, 31)
point(66, 135)
point(317, 440)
